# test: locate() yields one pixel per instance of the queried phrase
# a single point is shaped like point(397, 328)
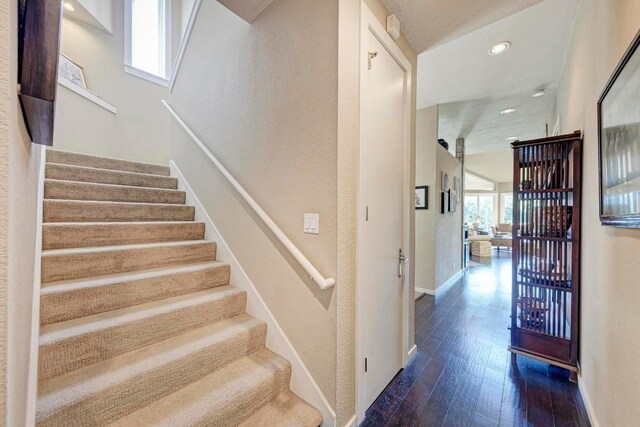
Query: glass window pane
point(470, 209)
point(485, 211)
point(507, 208)
point(147, 36)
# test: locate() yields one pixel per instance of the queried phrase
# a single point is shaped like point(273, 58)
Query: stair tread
point(285, 410)
point(67, 157)
point(117, 278)
point(110, 202)
point(212, 394)
point(79, 384)
point(106, 185)
point(87, 172)
point(67, 235)
point(106, 249)
point(56, 332)
point(117, 224)
point(60, 210)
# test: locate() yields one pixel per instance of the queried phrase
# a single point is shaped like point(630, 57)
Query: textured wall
point(6, 29)
point(610, 272)
point(263, 98)
point(348, 134)
point(426, 171)
point(19, 188)
point(448, 260)
point(140, 130)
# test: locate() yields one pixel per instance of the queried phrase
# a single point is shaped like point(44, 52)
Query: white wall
point(7, 104)
point(101, 11)
point(140, 131)
point(426, 170)
point(263, 99)
point(496, 166)
point(448, 226)
point(19, 162)
point(610, 342)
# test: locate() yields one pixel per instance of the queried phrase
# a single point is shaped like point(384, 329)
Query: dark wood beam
point(38, 52)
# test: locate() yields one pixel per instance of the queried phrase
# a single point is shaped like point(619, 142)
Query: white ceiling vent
point(393, 27)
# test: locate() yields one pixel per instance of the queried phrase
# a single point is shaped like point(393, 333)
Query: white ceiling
point(428, 23)
point(472, 87)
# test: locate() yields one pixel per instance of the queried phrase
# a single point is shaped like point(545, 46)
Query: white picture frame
point(444, 179)
point(71, 71)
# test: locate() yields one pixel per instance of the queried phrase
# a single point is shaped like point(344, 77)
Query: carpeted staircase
point(139, 325)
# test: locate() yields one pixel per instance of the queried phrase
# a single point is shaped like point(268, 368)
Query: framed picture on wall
point(444, 181)
point(453, 200)
point(619, 143)
point(69, 70)
point(422, 197)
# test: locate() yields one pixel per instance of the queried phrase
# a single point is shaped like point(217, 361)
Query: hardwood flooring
point(462, 374)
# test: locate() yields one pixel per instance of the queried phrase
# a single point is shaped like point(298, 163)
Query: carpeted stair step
point(73, 344)
point(63, 235)
point(224, 398)
point(76, 190)
point(78, 159)
point(79, 211)
point(106, 176)
point(285, 410)
point(60, 301)
point(68, 264)
point(106, 391)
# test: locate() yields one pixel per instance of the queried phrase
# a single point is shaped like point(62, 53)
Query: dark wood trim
point(627, 221)
point(549, 140)
point(38, 52)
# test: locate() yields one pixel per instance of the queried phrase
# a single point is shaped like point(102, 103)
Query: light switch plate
point(312, 223)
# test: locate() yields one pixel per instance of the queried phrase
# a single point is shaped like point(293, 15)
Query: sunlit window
point(506, 208)
point(147, 35)
point(479, 209)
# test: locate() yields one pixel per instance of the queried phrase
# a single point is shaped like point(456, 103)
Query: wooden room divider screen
point(546, 250)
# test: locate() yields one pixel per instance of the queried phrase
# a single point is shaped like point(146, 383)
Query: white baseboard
point(412, 352)
point(587, 403)
point(34, 347)
point(302, 383)
point(450, 282)
point(426, 291)
point(353, 422)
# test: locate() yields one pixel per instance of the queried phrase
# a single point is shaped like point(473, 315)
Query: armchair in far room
point(501, 230)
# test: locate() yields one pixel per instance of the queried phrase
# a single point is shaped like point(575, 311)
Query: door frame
point(369, 23)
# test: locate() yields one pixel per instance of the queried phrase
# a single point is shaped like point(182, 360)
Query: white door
point(381, 187)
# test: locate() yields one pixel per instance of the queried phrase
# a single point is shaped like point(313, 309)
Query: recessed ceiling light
point(69, 7)
point(512, 138)
point(508, 110)
point(538, 93)
point(501, 47)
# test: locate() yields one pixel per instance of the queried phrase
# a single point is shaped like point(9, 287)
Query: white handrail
point(304, 262)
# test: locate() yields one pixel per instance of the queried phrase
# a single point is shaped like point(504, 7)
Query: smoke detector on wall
point(393, 27)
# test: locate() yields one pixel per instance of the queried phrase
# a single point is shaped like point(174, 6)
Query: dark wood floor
point(462, 374)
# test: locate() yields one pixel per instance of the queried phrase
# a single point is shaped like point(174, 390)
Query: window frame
point(166, 48)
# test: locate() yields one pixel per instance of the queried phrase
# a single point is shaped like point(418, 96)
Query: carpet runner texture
point(139, 325)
